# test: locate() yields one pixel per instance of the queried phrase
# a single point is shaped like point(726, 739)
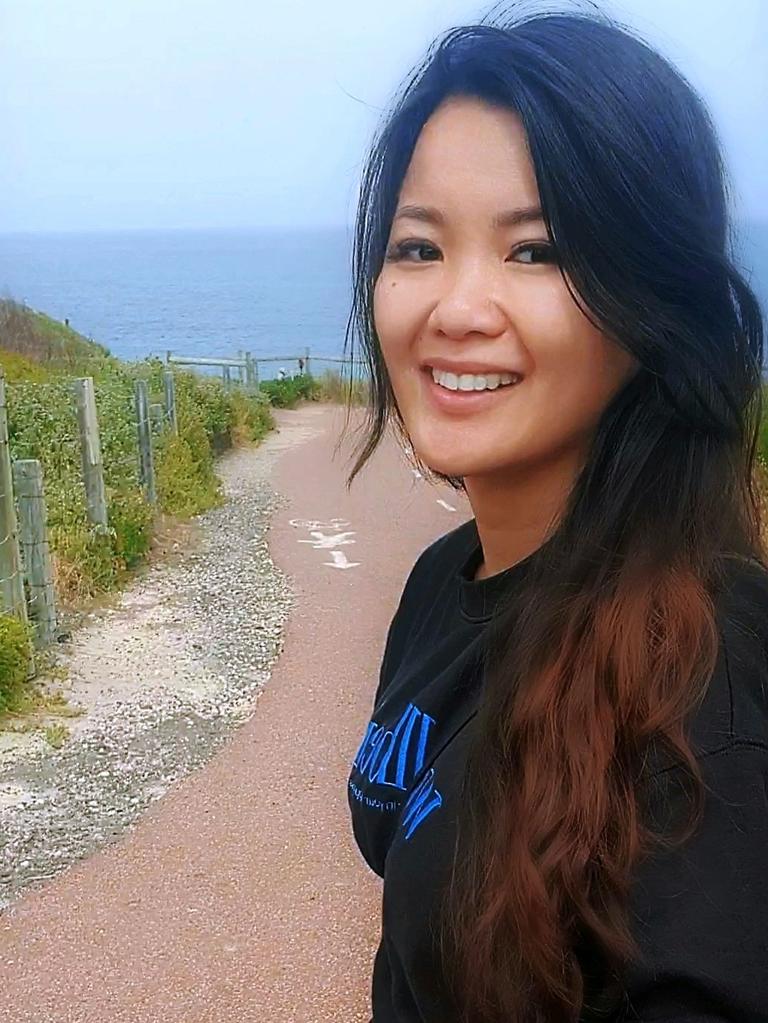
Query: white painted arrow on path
point(340, 561)
point(323, 541)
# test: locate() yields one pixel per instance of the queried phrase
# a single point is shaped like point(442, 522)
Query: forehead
point(471, 152)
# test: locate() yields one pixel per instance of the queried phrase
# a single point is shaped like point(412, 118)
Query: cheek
point(575, 366)
point(393, 316)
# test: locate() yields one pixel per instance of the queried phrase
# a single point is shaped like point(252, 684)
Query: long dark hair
point(610, 642)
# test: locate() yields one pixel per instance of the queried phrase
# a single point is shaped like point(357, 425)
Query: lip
point(462, 402)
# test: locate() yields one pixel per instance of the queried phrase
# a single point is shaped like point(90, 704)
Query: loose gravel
point(163, 677)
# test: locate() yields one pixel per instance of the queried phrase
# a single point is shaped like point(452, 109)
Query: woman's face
point(470, 285)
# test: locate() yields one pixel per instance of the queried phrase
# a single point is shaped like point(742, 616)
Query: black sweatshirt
point(700, 913)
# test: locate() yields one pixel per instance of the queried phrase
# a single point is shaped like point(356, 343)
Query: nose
point(466, 306)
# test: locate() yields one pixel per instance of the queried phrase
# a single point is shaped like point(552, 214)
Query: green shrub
point(130, 517)
point(184, 474)
point(14, 658)
point(83, 556)
point(288, 392)
point(253, 417)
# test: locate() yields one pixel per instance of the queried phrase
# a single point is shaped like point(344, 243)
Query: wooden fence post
point(306, 361)
point(250, 373)
point(11, 578)
point(146, 466)
point(243, 369)
point(28, 481)
point(170, 399)
point(90, 451)
point(156, 414)
point(225, 378)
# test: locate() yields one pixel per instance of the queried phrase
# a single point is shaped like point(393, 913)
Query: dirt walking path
point(239, 895)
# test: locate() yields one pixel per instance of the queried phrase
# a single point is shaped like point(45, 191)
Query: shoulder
point(742, 599)
point(742, 615)
point(732, 714)
point(434, 569)
point(424, 588)
point(734, 711)
point(440, 559)
point(455, 544)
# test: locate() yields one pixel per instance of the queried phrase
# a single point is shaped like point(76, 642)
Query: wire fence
point(54, 430)
point(246, 370)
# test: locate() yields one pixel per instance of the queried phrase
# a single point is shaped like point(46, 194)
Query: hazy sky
point(230, 113)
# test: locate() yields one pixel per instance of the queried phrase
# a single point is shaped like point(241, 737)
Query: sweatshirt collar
point(478, 597)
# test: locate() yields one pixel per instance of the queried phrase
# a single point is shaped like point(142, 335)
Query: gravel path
point(163, 678)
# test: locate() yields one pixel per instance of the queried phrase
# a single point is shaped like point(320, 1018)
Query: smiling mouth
point(472, 383)
point(457, 401)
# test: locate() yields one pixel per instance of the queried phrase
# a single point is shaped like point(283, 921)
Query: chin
point(449, 465)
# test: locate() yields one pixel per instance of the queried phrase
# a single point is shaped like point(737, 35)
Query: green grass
point(15, 638)
point(56, 735)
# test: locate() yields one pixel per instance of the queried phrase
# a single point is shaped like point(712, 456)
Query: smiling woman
point(563, 781)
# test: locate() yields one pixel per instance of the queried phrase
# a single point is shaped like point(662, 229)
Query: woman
point(564, 780)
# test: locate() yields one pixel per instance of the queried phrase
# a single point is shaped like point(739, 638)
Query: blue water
point(273, 293)
point(212, 292)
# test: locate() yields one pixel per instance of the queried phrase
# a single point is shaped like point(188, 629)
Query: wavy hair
point(612, 638)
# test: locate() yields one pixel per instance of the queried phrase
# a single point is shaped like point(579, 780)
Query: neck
point(516, 512)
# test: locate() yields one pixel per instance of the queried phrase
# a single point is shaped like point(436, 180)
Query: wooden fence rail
point(247, 366)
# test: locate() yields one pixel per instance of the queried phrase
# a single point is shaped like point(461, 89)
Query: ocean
point(270, 292)
point(199, 293)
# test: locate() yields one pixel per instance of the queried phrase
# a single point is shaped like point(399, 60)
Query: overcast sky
point(237, 113)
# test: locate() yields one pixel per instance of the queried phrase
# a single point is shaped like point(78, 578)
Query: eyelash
point(398, 252)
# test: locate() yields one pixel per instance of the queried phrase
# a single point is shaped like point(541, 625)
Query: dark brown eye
point(540, 253)
point(403, 251)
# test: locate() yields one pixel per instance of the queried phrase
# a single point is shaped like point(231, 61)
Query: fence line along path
point(26, 575)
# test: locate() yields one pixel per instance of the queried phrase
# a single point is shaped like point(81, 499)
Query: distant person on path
point(577, 674)
point(281, 373)
point(301, 366)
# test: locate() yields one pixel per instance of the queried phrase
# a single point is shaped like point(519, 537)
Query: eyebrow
point(507, 218)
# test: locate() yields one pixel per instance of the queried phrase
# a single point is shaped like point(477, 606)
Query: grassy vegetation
point(335, 389)
point(14, 646)
point(40, 359)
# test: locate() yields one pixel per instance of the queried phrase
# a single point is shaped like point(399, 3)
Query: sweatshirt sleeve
point(701, 910)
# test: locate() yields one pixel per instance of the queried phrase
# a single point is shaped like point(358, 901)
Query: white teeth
point(473, 382)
